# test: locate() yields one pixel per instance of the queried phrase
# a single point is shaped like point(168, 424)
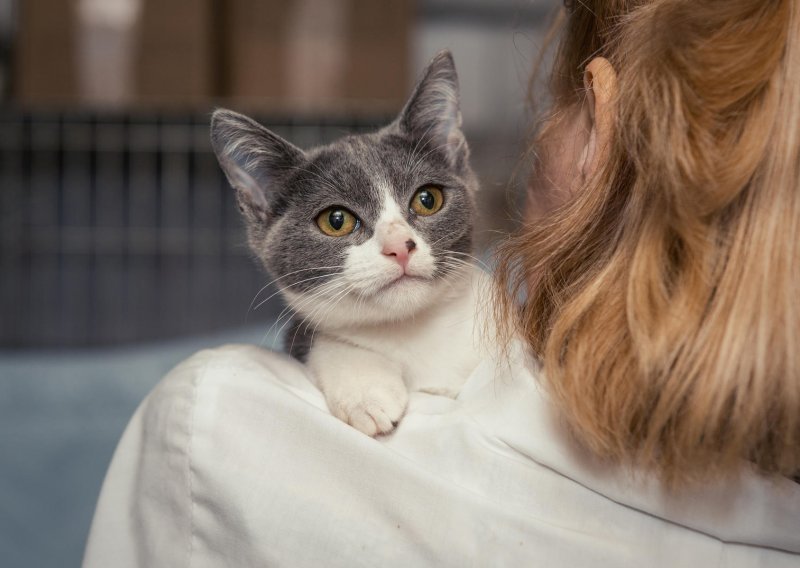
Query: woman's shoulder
point(185, 460)
point(233, 371)
point(238, 437)
point(237, 358)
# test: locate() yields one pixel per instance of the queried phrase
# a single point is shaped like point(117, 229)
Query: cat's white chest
point(367, 370)
point(438, 349)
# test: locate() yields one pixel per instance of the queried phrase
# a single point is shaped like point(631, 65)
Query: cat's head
point(372, 227)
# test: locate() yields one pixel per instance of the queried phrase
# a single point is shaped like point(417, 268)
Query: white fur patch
point(374, 274)
point(372, 286)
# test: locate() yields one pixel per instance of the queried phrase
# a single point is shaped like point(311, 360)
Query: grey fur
point(281, 189)
point(299, 338)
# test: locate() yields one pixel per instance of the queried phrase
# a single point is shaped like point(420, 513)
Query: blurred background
point(121, 249)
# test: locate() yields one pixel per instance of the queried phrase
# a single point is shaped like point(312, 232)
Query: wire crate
point(119, 228)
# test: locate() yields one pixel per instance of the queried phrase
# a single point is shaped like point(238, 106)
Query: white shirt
point(233, 460)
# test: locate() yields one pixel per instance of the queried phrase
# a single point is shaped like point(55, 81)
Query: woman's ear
point(600, 81)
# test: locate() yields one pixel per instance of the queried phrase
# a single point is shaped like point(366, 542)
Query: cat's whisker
point(274, 280)
point(474, 258)
point(440, 239)
point(333, 303)
point(326, 289)
point(301, 305)
point(454, 277)
point(291, 310)
point(288, 321)
point(455, 263)
point(340, 292)
point(289, 286)
point(312, 318)
point(452, 269)
point(456, 260)
point(288, 312)
point(281, 290)
point(312, 314)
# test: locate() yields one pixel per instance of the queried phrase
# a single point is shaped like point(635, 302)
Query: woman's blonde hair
point(664, 297)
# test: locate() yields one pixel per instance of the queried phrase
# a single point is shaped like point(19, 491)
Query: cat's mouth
point(403, 280)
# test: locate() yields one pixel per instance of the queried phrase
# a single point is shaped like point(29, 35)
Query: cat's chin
point(400, 299)
point(404, 297)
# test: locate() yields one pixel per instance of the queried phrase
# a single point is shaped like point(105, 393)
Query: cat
point(371, 239)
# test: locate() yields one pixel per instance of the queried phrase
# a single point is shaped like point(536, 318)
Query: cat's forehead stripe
point(390, 209)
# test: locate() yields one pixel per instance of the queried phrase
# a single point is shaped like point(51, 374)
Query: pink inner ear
point(244, 183)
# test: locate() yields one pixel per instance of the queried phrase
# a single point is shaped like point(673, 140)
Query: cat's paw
point(373, 408)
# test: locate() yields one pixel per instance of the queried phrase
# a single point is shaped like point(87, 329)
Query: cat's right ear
point(254, 159)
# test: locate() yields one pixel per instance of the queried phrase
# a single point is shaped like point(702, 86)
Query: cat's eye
point(337, 222)
point(427, 200)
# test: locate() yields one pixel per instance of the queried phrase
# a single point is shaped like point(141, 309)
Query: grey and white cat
point(370, 238)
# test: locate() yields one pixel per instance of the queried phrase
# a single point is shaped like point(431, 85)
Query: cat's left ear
point(432, 116)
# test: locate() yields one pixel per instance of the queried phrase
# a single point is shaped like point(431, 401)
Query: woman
point(652, 416)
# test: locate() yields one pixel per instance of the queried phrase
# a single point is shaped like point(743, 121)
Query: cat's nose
point(399, 249)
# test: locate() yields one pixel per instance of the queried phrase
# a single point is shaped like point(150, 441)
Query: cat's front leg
point(361, 387)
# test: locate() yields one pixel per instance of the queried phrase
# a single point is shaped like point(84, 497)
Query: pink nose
point(400, 250)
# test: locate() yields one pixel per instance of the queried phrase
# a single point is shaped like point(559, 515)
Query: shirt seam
point(189, 464)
